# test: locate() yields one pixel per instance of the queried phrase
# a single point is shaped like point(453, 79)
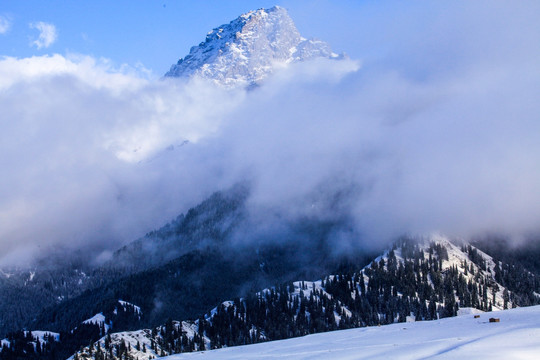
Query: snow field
point(516, 336)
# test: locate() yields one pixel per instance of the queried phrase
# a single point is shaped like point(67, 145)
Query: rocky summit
point(249, 48)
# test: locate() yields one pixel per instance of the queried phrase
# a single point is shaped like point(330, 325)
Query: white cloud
point(47, 34)
point(95, 153)
point(70, 131)
point(5, 24)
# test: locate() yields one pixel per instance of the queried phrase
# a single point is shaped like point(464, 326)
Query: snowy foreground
point(516, 336)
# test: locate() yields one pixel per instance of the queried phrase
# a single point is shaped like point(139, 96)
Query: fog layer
point(438, 133)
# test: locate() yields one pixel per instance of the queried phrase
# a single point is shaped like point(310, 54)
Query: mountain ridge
point(411, 279)
point(202, 277)
point(249, 48)
point(391, 286)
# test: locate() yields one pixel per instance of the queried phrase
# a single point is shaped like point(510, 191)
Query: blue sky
point(157, 33)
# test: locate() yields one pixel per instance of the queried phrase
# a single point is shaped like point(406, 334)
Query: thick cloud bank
point(77, 147)
point(418, 141)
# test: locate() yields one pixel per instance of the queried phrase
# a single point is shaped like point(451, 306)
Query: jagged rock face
point(247, 49)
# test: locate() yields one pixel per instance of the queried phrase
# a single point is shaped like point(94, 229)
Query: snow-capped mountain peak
point(248, 49)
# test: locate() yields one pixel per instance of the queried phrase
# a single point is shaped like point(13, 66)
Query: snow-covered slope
point(32, 340)
point(249, 48)
point(469, 263)
point(143, 344)
point(516, 336)
point(122, 309)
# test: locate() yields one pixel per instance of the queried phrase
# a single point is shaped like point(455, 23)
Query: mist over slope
point(413, 142)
